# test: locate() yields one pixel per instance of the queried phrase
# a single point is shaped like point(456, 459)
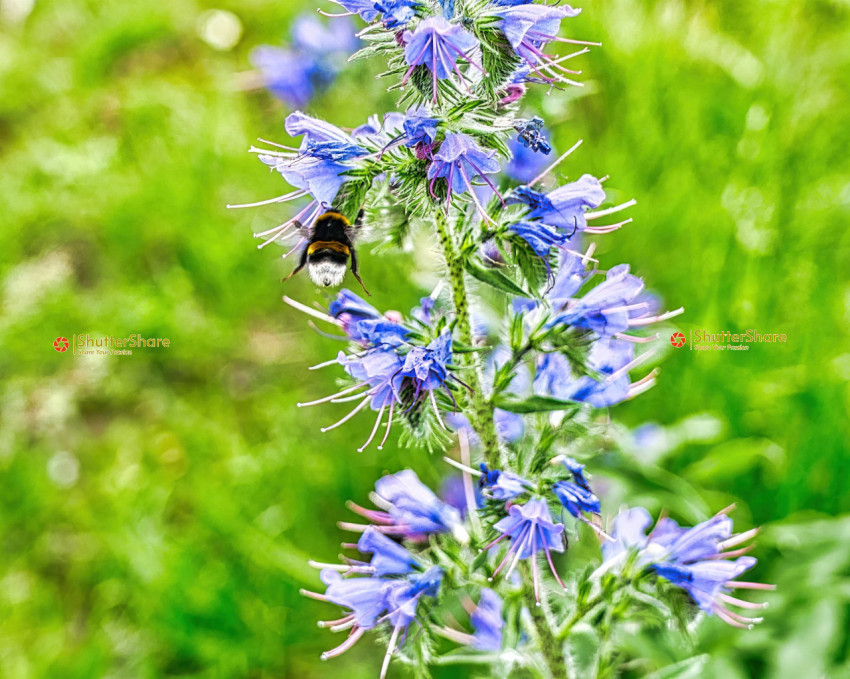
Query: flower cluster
point(397, 364)
point(394, 582)
point(514, 364)
point(296, 73)
point(528, 524)
point(697, 559)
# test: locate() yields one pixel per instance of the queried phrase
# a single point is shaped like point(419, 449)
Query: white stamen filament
point(608, 228)
point(333, 361)
point(362, 528)
point(560, 159)
point(311, 312)
point(345, 419)
point(374, 430)
point(342, 568)
point(468, 472)
point(643, 385)
point(738, 539)
point(474, 197)
point(632, 338)
point(453, 635)
point(280, 232)
point(639, 322)
point(312, 595)
point(280, 146)
point(723, 614)
point(327, 399)
point(570, 56)
point(389, 425)
point(279, 199)
point(437, 410)
point(458, 465)
point(750, 585)
point(345, 645)
point(390, 650)
point(627, 307)
point(732, 601)
point(634, 363)
point(343, 625)
point(610, 210)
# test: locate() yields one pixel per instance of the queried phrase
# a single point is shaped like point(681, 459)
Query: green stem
point(481, 419)
point(551, 648)
point(481, 416)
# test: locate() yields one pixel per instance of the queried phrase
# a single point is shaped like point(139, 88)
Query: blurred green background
point(157, 510)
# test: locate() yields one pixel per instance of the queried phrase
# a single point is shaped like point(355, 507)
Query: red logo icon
point(677, 339)
point(61, 344)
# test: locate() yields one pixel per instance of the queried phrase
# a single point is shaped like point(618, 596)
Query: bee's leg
point(301, 263)
point(300, 228)
point(355, 274)
point(359, 221)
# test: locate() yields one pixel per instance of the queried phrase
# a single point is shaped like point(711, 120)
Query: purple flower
point(288, 75)
point(563, 207)
point(501, 485)
point(571, 276)
point(509, 426)
point(403, 596)
point(531, 135)
point(396, 13)
point(487, 621)
point(426, 366)
point(529, 27)
point(312, 37)
point(694, 559)
point(437, 44)
point(408, 509)
point(608, 307)
point(420, 131)
point(459, 161)
point(388, 556)
point(299, 124)
point(575, 468)
point(414, 508)
point(540, 238)
point(350, 308)
point(371, 600)
point(295, 75)
point(609, 361)
point(319, 167)
point(531, 530)
point(576, 499)
point(525, 164)
point(365, 8)
point(364, 597)
point(390, 372)
point(379, 333)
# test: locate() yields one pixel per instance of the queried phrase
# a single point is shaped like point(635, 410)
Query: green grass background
point(157, 511)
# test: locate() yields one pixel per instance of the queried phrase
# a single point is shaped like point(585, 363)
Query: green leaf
point(532, 404)
point(495, 278)
point(687, 669)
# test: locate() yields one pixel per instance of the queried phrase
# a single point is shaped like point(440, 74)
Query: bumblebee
point(330, 244)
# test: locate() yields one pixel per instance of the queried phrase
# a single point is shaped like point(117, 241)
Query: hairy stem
point(481, 418)
point(481, 414)
point(550, 647)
